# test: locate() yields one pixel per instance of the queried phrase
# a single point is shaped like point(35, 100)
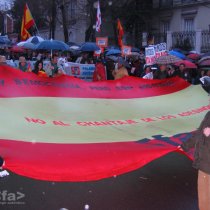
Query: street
point(168, 183)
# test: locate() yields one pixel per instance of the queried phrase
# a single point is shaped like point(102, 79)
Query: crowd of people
point(106, 67)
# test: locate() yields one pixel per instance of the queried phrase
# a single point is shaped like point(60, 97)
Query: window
point(165, 26)
point(73, 7)
point(189, 24)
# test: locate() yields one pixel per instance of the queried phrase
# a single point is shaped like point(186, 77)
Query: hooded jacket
point(201, 143)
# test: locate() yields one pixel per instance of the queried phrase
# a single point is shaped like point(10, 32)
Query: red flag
point(27, 23)
point(120, 33)
point(98, 18)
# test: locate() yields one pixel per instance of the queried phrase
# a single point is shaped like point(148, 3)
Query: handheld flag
point(98, 18)
point(27, 23)
point(120, 33)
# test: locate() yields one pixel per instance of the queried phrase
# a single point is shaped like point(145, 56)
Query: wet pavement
point(168, 183)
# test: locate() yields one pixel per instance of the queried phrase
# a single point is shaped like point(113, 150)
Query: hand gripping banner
point(66, 129)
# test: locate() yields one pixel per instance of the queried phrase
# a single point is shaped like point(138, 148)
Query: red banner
point(66, 129)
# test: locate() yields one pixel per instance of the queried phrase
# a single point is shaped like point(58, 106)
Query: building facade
point(187, 22)
point(6, 21)
point(77, 19)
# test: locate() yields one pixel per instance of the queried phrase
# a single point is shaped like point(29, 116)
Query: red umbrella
point(194, 56)
point(17, 49)
point(188, 64)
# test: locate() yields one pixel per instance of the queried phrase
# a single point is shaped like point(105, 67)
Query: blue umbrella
point(4, 40)
point(52, 45)
point(89, 47)
point(27, 45)
point(113, 52)
point(177, 54)
point(35, 39)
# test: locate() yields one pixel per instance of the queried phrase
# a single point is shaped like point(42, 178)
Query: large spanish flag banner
point(66, 129)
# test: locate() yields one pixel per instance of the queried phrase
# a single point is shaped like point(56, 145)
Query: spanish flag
point(120, 32)
point(27, 23)
point(67, 129)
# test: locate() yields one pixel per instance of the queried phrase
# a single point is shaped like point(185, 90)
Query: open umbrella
point(205, 61)
point(27, 45)
point(89, 47)
point(17, 49)
point(52, 45)
point(167, 59)
point(177, 54)
point(113, 52)
point(4, 41)
point(194, 56)
point(188, 64)
point(35, 39)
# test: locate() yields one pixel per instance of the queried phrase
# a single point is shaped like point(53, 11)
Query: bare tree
point(63, 4)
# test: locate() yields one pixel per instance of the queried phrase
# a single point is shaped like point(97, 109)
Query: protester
point(85, 58)
point(184, 73)
point(39, 69)
point(23, 65)
point(137, 67)
point(3, 61)
point(110, 67)
point(148, 73)
point(161, 73)
point(121, 69)
point(52, 68)
point(171, 71)
point(201, 142)
point(100, 72)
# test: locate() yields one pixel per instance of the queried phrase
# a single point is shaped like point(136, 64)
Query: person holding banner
point(52, 68)
point(23, 65)
point(3, 60)
point(38, 69)
point(161, 73)
point(200, 140)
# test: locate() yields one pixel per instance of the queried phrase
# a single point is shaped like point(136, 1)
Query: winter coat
point(201, 143)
